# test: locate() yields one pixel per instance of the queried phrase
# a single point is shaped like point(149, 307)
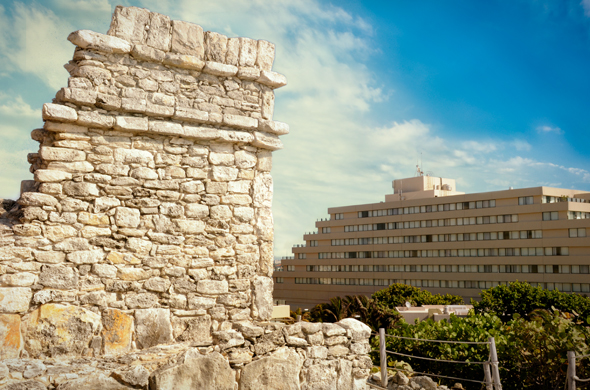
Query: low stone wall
point(149, 221)
point(254, 356)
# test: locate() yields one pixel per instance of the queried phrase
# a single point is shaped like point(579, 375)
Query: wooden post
point(488, 376)
point(298, 317)
point(571, 370)
point(383, 357)
point(494, 362)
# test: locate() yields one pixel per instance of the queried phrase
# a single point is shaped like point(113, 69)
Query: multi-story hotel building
point(428, 235)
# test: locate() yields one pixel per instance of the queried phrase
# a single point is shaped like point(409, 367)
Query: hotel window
point(301, 256)
point(581, 232)
point(339, 216)
point(549, 199)
point(550, 216)
point(363, 214)
point(326, 230)
point(290, 268)
point(279, 280)
point(313, 243)
point(524, 200)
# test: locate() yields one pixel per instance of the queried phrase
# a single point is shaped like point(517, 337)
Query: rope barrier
point(439, 376)
point(434, 360)
point(582, 356)
point(435, 341)
point(581, 380)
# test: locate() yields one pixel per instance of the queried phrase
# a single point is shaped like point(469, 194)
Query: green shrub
point(398, 294)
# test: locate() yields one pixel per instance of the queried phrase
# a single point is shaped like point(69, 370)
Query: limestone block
point(49, 257)
point(93, 382)
point(80, 189)
point(72, 244)
point(127, 217)
point(95, 119)
point(273, 127)
point(331, 330)
point(51, 176)
point(360, 348)
point(157, 284)
point(74, 167)
point(189, 227)
point(243, 122)
point(248, 73)
point(15, 299)
point(196, 211)
point(87, 39)
point(223, 173)
point(129, 23)
point(108, 102)
point(86, 257)
point(165, 127)
point(232, 56)
point(33, 369)
point(360, 332)
point(10, 336)
point(190, 115)
point(116, 332)
point(61, 154)
point(215, 47)
point(152, 327)
point(245, 159)
point(210, 371)
point(196, 330)
point(141, 301)
point(184, 61)
point(244, 214)
point(262, 190)
point(159, 35)
point(59, 277)
point(247, 52)
point(317, 352)
point(264, 161)
point(136, 375)
point(221, 212)
point(266, 259)
point(58, 112)
point(143, 173)
point(58, 127)
point(59, 330)
point(147, 53)
point(95, 219)
point(272, 79)
point(271, 374)
point(219, 69)
point(104, 270)
point(187, 38)
point(267, 141)
point(131, 123)
point(212, 287)
point(265, 55)
point(228, 338)
point(262, 304)
point(21, 279)
point(78, 96)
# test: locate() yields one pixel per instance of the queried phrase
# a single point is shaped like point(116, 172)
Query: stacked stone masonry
point(142, 253)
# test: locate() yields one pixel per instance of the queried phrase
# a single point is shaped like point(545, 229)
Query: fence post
point(488, 376)
point(494, 362)
point(383, 357)
point(571, 370)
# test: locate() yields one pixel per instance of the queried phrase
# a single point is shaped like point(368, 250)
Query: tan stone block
point(59, 233)
point(248, 51)
point(132, 274)
point(215, 47)
point(187, 38)
point(10, 336)
point(116, 332)
point(93, 219)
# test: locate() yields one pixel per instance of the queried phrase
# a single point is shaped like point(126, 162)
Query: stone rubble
point(141, 254)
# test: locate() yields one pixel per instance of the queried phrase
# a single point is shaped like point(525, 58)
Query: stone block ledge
point(63, 119)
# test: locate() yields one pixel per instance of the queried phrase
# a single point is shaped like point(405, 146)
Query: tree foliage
point(521, 298)
point(398, 294)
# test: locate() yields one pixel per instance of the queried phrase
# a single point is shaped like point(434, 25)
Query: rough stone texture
point(270, 373)
point(143, 248)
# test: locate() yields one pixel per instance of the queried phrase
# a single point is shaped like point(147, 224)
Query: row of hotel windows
point(474, 268)
point(514, 235)
point(478, 284)
point(424, 209)
point(481, 252)
point(434, 223)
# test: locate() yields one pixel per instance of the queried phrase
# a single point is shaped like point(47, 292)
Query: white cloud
point(549, 129)
point(521, 145)
point(586, 6)
point(16, 107)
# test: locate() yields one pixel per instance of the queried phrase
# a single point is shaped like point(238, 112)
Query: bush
point(532, 353)
point(521, 298)
point(398, 294)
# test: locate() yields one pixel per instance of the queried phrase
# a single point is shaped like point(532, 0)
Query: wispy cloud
point(586, 6)
point(549, 129)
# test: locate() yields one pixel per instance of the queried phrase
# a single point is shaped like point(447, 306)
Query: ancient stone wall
point(147, 233)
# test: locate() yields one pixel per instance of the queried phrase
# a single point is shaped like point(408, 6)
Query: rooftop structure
point(430, 236)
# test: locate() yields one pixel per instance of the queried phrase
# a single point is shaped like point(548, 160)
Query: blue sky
point(493, 94)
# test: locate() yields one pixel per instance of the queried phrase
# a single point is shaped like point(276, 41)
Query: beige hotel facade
point(426, 234)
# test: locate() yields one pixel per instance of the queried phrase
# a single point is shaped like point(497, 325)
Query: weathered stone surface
point(10, 336)
point(270, 373)
point(219, 69)
point(51, 176)
point(59, 330)
point(58, 112)
point(137, 375)
point(129, 23)
point(359, 331)
point(266, 55)
point(26, 385)
point(15, 299)
point(93, 382)
point(152, 327)
point(212, 287)
point(197, 329)
point(117, 331)
point(262, 300)
point(91, 40)
point(127, 217)
point(57, 276)
point(187, 38)
point(210, 372)
point(272, 79)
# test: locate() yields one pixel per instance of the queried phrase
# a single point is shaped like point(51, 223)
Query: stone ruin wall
point(143, 250)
